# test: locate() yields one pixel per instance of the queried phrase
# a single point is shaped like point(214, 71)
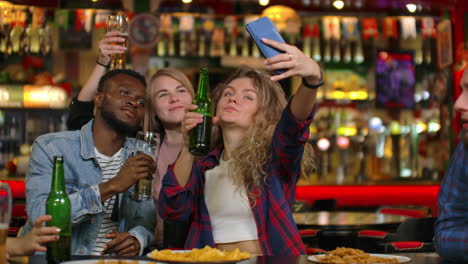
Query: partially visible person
point(82, 106)
point(451, 230)
point(34, 241)
point(241, 194)
point(99, 174)
point(169, 91)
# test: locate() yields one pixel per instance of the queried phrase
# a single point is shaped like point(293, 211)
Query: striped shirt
point(110, 166)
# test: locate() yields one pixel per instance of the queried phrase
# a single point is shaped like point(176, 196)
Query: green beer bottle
point(200, 136)
point(59, 207)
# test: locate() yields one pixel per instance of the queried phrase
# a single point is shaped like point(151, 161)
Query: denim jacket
point(82, 177)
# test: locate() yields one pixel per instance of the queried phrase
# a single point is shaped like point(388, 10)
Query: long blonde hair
point(250, 159)
point(152, 122)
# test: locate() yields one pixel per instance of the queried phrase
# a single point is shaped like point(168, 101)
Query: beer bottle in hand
point(200, 136)
point(59, 207)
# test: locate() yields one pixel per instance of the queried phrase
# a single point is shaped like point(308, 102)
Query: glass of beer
point(5, 215)
point(147, 143)
point(118, 23)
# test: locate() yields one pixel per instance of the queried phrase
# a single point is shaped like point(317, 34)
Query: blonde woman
point(241, 194)
point(169, 92)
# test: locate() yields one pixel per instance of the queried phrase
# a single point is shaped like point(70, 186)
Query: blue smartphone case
point(264, 28)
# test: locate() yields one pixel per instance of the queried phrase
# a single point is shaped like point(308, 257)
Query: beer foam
point(3, 226)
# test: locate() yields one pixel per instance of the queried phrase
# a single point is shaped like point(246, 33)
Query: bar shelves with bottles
point(25, 30)
point(31, 103)
point(360, 141)
point(356, 137)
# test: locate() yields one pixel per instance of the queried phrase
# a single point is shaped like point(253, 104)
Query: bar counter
point(365, 195)
point(416, 258)
point(372, 195)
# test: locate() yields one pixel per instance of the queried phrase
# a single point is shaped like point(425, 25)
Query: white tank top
point(230, 213)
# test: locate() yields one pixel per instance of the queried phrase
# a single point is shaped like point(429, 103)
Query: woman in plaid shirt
point(241, 194)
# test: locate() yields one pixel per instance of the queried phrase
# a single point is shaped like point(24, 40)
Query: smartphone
point(264, 28)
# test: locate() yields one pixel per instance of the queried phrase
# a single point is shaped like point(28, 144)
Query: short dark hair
point(108, 75)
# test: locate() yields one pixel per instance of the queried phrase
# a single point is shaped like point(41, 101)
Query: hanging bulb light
point(263, 2)
point(186, 1)
point(338, 4)
point(411, 7)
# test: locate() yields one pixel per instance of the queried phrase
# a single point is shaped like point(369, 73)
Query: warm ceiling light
point(263, 2)
point(411, 7)
point(338, 4)
point(186, 1)
point(358, 3)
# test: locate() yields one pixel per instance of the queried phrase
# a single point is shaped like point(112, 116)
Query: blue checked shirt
point(451, 232)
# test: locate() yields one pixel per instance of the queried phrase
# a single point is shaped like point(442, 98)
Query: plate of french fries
point(108, 261)
point(204, 255)
point(344, 255)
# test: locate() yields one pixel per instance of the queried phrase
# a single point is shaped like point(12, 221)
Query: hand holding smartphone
point(264, 28)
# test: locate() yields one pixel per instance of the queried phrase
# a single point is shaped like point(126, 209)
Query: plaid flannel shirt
point(277, 231)
point(451, 232)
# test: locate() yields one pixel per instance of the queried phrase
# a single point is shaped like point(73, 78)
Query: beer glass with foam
point(118, 23)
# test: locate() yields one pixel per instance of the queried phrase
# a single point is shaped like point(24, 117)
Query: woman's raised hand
point(293, 61)
point(107, 48)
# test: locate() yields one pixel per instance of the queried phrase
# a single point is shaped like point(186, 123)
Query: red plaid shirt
point(277, 231)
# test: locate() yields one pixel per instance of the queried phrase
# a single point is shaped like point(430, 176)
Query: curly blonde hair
point(251, 157)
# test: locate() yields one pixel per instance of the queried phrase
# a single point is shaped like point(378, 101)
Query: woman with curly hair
point(241, 194)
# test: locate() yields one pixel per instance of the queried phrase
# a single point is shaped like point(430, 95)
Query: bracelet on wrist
point(102, 64)
point(313, 86)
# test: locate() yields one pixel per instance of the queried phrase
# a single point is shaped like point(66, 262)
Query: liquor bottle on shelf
point(358, 52)
point(192, 48)
point(16, 35)
point(34, 33)
point(245, 44)
point(171, 46)
point(418, 48)
point(46, 40)
point(160, 48)
point(13, 127)
point(233, 45)
point(183, 44)
point(217, 42)
point(202, 45)
point(327, 50)
point(427, 51)
point(230, 35)
point(316, 55)
point(255, 51)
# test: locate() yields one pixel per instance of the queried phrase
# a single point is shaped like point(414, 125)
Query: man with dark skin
point(99, 174)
